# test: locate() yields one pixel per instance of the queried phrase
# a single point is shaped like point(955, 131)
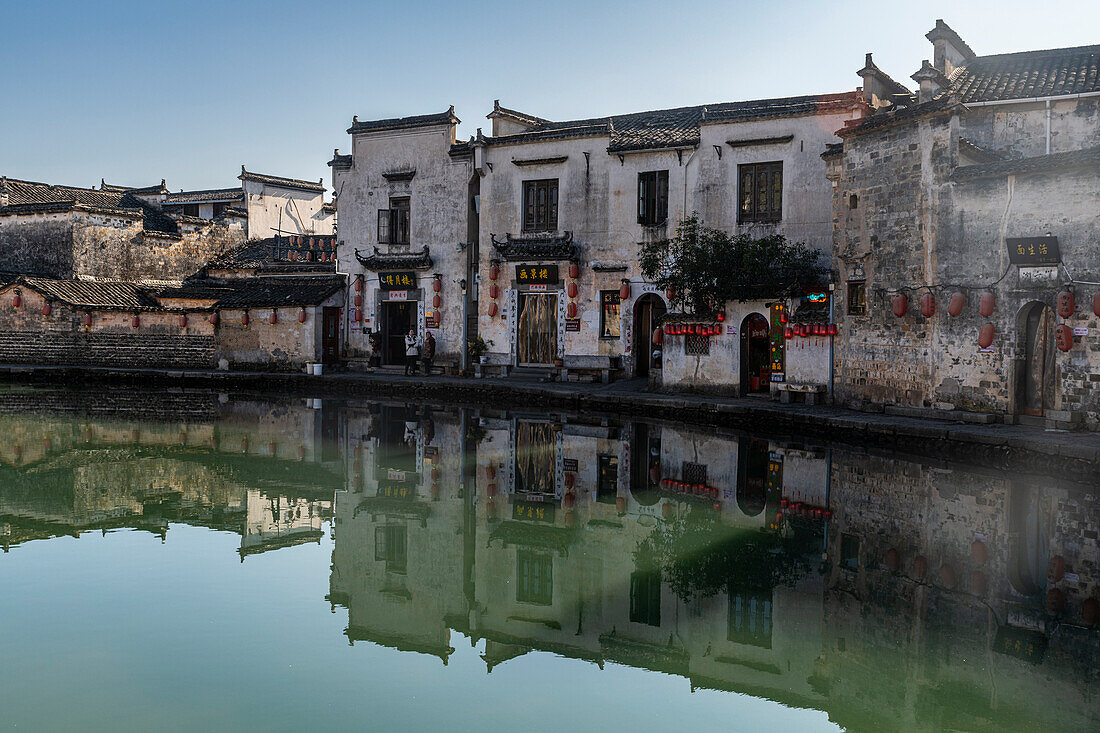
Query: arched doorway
point(1036, 383)
point(1028, 546)
point(647, 310)
point(755, 355)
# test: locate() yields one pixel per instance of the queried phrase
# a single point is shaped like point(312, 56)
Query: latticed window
point(393, 223)
point(693, 473)
point(857, 298)
point(761, 192)
point(540, 205)
point(609, 314)
point(534, 578)
point(391, 545)
point(652, 198)
point(696, 344)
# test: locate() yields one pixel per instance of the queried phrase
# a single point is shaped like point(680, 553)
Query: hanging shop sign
point(1033, 251)
point(537, 274)
point(396, 280)
point(777, 314)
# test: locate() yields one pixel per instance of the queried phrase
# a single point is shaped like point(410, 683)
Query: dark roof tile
point(1044, 73)
point(1084, 158)
point(206, 195)
point(404, 123)
point(280, 181)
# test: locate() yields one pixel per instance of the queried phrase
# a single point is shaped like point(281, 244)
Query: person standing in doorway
point(412, 352)
point(429, 353)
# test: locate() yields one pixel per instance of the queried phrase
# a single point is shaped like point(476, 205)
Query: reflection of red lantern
point(183, 320)
point(491, 472)
point(492, 310)
point(901, 304)
point(955, 306)
point(985, 336)
point(1066, 304)
point(435, 492)
point(978, 552)
point(928, 305)
point(572, 290)
point(302, 315)
point(624, 290)
point(920, 567)
point(893, 560)
point(947, 575)
point(1063, 337)
point(570, 479)
point(569, 500)
point(1056, 601)
point(1090, 612)
point(574, 270)
point(985, 305)
point(978, 583)
point(494, 272)
point(491, 490)
point(570, 518)
point(274, 317)
point(1056, 568)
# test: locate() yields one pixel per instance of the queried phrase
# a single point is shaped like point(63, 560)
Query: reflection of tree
point(699, 554)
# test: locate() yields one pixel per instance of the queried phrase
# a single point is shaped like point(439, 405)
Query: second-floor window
point(393, 223)
point(760, 192)
point(652, 198)
point(540, 205)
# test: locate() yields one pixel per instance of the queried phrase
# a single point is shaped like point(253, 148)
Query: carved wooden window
point(761, 192)
point(609, 314)
point(857, 297)
point(393, 223)
point(696, 344)
point(652, 198)
point(540, 205)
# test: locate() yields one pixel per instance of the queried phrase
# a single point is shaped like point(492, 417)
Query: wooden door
point(1038, 381)
point(330, 336)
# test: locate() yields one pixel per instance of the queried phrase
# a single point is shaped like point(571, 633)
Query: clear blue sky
point(188, 91)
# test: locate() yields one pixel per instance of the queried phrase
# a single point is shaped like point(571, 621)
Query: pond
point(190, 560)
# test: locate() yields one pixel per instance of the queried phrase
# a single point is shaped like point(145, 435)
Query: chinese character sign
point(397, 280)
point(537, 274)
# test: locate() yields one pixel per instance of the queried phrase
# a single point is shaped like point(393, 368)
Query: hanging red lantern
point(985, 336)
point(135, 322)
point(985, 305)
point(783, 317)
point(721, 316)
point(1066, 304)
point(1063, 337)
point(1096, 305)
point(494, 291)
point(494, 272)
point(574, 270)
point(47, 308)
point(901, 304)
point(358, 301)
point(832, 329)
point(670, 293)
point(17, 301)
point(572, 290)
point(437, 300)
point(183, 320)
point(788, 333)
point(624, 290)
point(358, 283)
point(658, 336)
point(214, 318)
point(87, 320)
point(438, 318)
point(928, 305)
point(956, 304)
point(302, 315)
point(244, 318)
point(274, 317)
point(571, 310)
point(438, 284)
point(492, 310)
point(568, 501)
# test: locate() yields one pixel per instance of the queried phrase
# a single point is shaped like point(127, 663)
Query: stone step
point(931, 413)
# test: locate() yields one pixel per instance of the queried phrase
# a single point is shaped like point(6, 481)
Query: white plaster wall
point(276, 210)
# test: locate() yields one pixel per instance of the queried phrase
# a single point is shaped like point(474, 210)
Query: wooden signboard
point(1033, 251)
point(397, 280)
point(537, 274)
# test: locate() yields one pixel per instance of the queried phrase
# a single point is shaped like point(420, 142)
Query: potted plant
point(477, 347)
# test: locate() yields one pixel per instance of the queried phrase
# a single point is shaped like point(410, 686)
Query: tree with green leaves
point(708, 267)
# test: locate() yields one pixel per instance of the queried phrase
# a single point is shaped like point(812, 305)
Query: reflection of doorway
point(645, 467)
point(397, 320)
point(1035, 382)
point(647, 310)
point(330, 335)
point(755, 355)
point(752, 475)
point(1028, 546)
point(537, 329)
point(535, 458)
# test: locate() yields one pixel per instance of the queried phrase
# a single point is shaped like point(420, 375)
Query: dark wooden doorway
point(397, 320)
point(1036, 386)
point(537, 329)
point(647, 311)
point(755, 355)
point(330, 335)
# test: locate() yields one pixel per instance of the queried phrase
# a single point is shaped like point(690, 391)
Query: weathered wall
point(275, 210)
point(28, 337)
point(40, 244)
point(1019, 130)
point(285, 345)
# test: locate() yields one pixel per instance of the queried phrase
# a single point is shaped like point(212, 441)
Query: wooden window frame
point(858, 308)
point(760, 192)
point(540, 214)
point(696, 344)
point(605, 301)
point(543, 595)
point(653, 198)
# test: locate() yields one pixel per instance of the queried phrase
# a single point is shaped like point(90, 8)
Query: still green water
point(228, 562)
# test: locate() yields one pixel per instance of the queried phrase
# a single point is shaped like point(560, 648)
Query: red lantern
point(624, 290)
point(302, 315)
point(437, 300)
point(492, 310)
point(788, 333)
point(569, 500)
point(494, 291)
point(571, 310)
point(901, 304)
point(183, 320)
point(1063, 337)
point(214, 318)
point(947, 575)
point(985, 336)
point(438, 318)
point(832, 329)
point(47, 308)
point(956, 304)
point(358, 283)
point(928, 305)
point(658, 336)
point(1096, 305)
point(438, 284)
point(572, 290)
point(1066, 304)
point(17, 301)
point(87, 320)
point(358, 301)
point(574, 270)
point(721, 316)
point(244, 318)
point(893, 560)
point(783, 317)
point(135, 322)
point(274, 317)
point(978, 552)
point(985, 305)
point(494, 272)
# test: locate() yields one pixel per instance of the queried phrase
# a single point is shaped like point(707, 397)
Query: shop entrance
point(648, 309)
point(537, 329)
point(397, 318)
point(755, 355)
point(1036, 384)
point(330, 335)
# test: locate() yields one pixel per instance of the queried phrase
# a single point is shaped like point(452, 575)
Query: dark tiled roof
point(460, 149)
point(978, 152)
point(280, 181)
point(156, 188)
point(92, 294)
point(210, 194)
point(545, 247)
point(267, 292)
point(340, 161)
point(1085, 158)
point(1045, 73)
point(404, 123)
point(421, 260)
point(895, 115)
point(521, 117)
point(279, 254)
point(679, 127)
point(31, 192)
